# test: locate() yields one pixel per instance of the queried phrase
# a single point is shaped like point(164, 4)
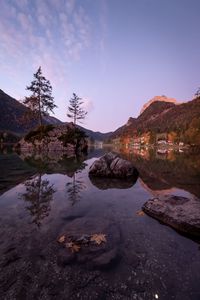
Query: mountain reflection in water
point(166, 171)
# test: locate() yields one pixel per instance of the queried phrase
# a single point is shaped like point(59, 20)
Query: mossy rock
point(72, 136)
point(39, 133)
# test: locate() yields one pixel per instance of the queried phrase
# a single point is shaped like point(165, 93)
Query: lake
point(43, 199)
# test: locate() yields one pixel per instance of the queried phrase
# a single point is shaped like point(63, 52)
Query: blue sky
point(115, 54)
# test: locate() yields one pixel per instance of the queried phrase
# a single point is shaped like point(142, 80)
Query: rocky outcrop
point(180, 213)
point(158, 98)
point(64, 138)
point(111, 165)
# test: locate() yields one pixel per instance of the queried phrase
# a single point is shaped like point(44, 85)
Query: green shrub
point(72, 136)
point(39, 133)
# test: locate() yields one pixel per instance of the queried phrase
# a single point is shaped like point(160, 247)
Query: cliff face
point(157, 99)
point(63, 138)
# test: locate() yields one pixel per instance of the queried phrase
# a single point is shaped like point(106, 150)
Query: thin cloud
point(30, 31)
point(103, 26)
point(88, 104)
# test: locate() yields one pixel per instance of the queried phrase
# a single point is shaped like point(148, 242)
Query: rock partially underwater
point(112, 166)
point(181, 213)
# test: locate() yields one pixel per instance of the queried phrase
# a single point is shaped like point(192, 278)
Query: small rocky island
point(47, 138)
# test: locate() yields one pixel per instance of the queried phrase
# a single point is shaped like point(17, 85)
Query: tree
point(152, 138)
point(197, 94)
point(41, 100)
point(192, 134)
point(172, 136)
point(76, 112)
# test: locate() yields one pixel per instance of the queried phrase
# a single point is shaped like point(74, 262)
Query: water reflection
point(39, 193)
point(76, 185)
point(158, 171)
point(74, 189)
point(13, 171)
point(56, 162)
point(139, 252)
point(164, 171)
point(112, 183)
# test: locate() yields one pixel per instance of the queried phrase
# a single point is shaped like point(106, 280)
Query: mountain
point(96, 135)
point(12, 113)
point(165, 117)
point(52, 120)
point(158, 98)
point(12, 116)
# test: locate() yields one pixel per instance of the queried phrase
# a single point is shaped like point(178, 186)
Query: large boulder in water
point(111, 165)
point(178, 212)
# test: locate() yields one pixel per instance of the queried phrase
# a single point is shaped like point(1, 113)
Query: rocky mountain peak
point(162, 98)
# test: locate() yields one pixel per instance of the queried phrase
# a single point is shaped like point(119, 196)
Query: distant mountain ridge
point(164, 117)
point(96, 135)
point(11, 119)
point(158, 98)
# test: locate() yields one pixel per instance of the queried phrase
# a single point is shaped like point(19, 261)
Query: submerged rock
point(180, 213)
point(111, 165)
point(99, 244)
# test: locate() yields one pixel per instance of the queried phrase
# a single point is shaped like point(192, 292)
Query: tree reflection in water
point(76, 186)
point(38, 194)
point(74, 189)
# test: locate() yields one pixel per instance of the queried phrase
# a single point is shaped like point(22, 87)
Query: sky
point(114, 54)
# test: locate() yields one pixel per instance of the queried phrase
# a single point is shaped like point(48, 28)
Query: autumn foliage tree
point(192, 134)
point(172, 136)
point(40, 102)
point(75, 109)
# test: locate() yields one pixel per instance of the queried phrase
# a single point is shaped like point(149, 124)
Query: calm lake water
point(43, 198)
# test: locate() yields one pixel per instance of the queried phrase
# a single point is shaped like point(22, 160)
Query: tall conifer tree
point(40, 102)
point(76, 112)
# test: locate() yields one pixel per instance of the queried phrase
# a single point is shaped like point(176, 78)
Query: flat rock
point(112, 166)
point(180, 213)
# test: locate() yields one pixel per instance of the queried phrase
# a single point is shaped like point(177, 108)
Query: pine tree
point(76, 112)
point(41, 100)
point(197, 94)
